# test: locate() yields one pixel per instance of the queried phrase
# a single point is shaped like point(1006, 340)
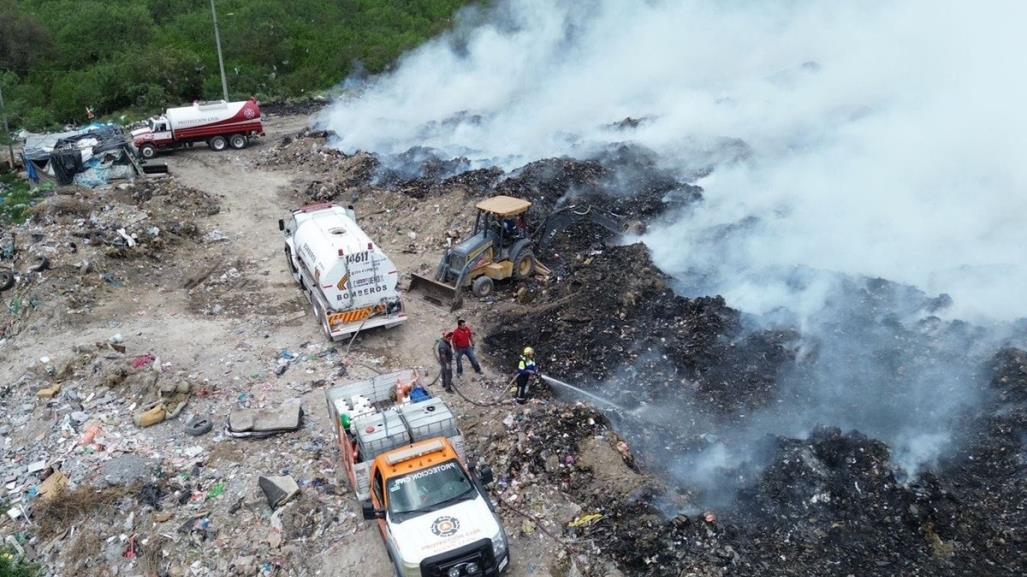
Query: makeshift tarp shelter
point(92, 156)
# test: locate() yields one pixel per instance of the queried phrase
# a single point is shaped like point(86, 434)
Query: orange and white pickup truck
point(403, 456)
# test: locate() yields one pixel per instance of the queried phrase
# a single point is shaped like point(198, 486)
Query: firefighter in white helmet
point(526, 370)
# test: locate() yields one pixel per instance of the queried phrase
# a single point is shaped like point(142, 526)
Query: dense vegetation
point(59, 56)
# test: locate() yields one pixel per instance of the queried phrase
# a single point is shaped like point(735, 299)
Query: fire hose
point(495, 402)
point(569, 546)
point(498, 401)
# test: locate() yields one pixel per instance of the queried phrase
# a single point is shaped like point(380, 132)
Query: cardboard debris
point(49, 392)
point(53, 486)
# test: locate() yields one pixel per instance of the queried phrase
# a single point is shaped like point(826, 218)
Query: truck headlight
point(499, 545)
point(411, 569)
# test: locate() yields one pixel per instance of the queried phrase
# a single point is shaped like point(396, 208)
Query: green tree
point(23, 41)
point(63, 55)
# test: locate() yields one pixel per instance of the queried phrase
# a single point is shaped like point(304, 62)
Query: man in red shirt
point(463, 342)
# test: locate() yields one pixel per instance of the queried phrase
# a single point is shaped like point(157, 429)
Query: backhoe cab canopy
point(504, 206)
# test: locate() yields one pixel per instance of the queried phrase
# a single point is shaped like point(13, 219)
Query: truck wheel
point(482, 286)
point(292, 266)
point(237, 141)
point(322, 319)
point(217, 143)
point(524, 264)
point(6, 280)
point(148, 151)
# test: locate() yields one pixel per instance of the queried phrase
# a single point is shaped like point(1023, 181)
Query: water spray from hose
point(560, 383)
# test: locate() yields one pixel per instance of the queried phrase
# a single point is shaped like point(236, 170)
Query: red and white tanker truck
point(220, 124)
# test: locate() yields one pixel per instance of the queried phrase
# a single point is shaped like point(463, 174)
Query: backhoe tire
point(482, 286)
point(524, 264)
point(217, 143)
point(237, 141)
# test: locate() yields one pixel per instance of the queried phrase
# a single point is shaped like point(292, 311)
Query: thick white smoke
point(883, 138)
point(833, 140)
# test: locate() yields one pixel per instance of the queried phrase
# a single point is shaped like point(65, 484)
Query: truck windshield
point(429, 489)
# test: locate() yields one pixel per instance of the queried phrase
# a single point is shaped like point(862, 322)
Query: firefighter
point(444, 354)
point(526, 370)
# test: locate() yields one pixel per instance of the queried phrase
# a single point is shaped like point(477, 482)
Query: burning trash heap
point(805, 496)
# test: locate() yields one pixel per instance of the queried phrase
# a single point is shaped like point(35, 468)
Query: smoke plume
point(835, 143)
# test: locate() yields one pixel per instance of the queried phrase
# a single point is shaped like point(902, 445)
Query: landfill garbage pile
point(608, 320)
point(90, 157)
point(554, 463)
point(92, 489)
point(636, 322)
point(80, 244)
point(625, 180)
point(830, 504)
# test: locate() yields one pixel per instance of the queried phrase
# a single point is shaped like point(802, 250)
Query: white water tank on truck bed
point(350, 270)
point(219, 112)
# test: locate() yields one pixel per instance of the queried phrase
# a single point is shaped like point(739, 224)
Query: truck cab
point(156, 135)
point(434, 514)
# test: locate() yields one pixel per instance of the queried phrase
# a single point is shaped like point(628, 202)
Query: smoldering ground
point(835, 145)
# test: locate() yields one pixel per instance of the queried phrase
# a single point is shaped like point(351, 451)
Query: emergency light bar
point(413, 452)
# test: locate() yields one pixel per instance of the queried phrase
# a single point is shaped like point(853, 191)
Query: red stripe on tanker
point(201, 121)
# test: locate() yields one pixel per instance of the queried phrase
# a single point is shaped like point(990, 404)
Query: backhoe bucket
point(436, 292)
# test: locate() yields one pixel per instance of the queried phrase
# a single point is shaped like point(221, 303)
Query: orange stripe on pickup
point(349, 317)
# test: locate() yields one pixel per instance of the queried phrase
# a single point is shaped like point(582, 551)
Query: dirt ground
point(224, 335)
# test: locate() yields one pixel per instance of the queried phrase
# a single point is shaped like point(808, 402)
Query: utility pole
point(217, 39)
point(7, 129)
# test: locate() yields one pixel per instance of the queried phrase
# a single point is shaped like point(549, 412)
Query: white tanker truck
point(349, 281)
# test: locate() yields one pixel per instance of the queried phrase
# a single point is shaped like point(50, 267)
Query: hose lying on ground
point(496, 402)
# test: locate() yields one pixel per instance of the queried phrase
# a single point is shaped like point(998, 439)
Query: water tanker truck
point(220, 124)
point(348, 279)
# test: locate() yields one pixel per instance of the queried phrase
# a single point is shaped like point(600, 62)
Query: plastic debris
point(584, 520)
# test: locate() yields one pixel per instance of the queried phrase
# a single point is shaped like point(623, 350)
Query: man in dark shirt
point(444, 354)
point(463, 342)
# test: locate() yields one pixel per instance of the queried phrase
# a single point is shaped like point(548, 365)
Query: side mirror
point(371, 513)
point(281, 224)
point(485, 475)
